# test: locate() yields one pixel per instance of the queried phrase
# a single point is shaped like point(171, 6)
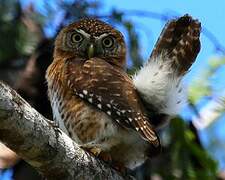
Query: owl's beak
point(90, 51)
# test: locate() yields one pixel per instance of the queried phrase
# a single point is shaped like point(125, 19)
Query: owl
point(99, 105)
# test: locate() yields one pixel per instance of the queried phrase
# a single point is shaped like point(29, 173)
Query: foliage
point(10, 27)
point(188, 157)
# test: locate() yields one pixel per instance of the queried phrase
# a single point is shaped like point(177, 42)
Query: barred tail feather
point(179, 42)
point(159, 81)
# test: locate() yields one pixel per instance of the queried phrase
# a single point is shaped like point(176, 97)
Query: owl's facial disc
point(90, 38)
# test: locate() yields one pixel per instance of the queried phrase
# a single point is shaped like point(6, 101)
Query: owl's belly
point(82, 122)
point(89, 127)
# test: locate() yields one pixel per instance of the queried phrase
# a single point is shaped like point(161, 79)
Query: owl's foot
point(106, 157)
point(97, 152)
point(94, 150)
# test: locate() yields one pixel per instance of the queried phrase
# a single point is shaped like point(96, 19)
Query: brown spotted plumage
point(112, 91)
point(179, 42)
point(93, 99)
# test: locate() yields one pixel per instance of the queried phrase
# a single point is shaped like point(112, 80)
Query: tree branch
point(48, 150)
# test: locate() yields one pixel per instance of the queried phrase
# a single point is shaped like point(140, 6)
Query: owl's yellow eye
point(108, 42)
point(76, 37)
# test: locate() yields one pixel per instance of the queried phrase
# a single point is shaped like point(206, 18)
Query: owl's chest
point(56, 103)
point(81, 121)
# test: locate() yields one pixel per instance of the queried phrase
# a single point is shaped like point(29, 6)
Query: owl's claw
point(93, 150)
point(106, 157)
point(97, 152)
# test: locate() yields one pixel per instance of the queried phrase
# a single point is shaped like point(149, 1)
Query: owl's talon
point(97, 152)
point(93, 150)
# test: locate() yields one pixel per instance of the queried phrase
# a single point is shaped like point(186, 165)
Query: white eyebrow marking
point(101, 36)
point(83, 33)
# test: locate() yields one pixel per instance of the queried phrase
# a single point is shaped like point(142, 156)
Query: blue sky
point(212, 16)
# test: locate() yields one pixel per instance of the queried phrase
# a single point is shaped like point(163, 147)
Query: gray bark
point(35, 140)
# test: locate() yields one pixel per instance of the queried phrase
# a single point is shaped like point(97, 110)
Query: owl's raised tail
point(179, 43)
point(159, 80)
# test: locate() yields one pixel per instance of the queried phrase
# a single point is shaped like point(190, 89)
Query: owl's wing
point(111, 90)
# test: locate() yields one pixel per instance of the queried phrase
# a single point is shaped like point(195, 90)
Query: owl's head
point(90, 38)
